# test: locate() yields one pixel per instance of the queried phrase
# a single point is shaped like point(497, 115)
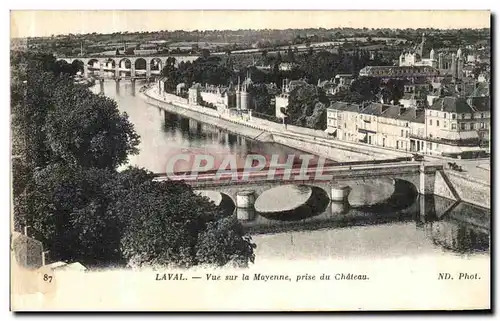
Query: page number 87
point(47, 278)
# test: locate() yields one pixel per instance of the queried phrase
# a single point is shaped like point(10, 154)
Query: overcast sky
point(46, 23)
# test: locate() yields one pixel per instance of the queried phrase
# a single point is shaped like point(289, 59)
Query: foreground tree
point(68, 143)
point(88, 130)
point(171, 226)
point(67, 208)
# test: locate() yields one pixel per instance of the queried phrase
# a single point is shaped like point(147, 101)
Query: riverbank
point(467, 188)
point(308, 140)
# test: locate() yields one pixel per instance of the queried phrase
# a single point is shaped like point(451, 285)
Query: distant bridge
point(123, 64)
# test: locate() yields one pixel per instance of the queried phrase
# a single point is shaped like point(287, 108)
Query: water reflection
point(458, 227)
point(457, 236)
point(163, 133)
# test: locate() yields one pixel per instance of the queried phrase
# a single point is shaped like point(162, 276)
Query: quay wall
point(468, 189)
point(313, 141)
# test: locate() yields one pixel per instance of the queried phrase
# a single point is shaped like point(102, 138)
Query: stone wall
point(27, 251)
point(468, 189)
point(305, 139)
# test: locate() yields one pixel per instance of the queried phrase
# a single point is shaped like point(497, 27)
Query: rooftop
point(461, 105)
point(382, 110)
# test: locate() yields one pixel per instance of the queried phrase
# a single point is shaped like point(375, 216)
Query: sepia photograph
point(250, 160)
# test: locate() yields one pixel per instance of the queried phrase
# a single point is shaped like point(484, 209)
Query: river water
point(430, 226)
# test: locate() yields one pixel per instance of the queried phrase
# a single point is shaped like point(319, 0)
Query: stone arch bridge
point(128, 64)
point(426, 179)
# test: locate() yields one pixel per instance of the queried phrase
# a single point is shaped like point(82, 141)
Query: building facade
point(451, 126)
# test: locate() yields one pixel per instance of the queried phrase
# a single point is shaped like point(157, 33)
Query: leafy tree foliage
point(68, 143)
point(55, 120)
point(307, 107)
point(205, 70)
point(92, 133)
point(67, 208)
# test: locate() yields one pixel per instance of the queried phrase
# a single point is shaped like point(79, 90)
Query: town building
point(398, 71)
point(340, 83)
point(422, 61)
point(415, 93)
point(281, 100)
point(194, 94)
point(451, 126)
point(421, 55)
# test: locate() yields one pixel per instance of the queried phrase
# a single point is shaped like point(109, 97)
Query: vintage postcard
point(250, 160)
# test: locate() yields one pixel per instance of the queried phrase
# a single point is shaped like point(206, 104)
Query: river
point(432, 227)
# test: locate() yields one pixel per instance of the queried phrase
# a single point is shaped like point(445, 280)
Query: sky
point(51, 22)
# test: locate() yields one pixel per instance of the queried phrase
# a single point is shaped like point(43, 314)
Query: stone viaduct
point(128, 63)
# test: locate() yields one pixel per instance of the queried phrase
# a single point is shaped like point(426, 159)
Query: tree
point(264, 57)
point(35, 77)
point(88, 130)
point(365, 89)
point(318, 119)
point(290, 55)
point(306, 106)
point(205, 53)
point(393, 90)
point(237, 248)
point(74, 200)
point(67, 208)
point(171, 226)
point(262, 99)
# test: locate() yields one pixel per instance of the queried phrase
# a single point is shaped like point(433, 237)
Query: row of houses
point(450, 126)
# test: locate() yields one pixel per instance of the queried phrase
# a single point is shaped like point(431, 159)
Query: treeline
point(266, 38)
point(307, 105)
point(68, 144)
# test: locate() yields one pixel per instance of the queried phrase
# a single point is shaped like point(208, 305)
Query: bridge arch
point(125, 63)
point(171, 61)
point(156, 64)
point(78, 65)
point(140, 64)
point(94, 62)
point(109, 63)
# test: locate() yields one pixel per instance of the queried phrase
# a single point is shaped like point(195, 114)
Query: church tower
point(440, 61)
point(454, 66)
point(421, 49)
point(460, 64)
point(238, 95)
point(432, 56)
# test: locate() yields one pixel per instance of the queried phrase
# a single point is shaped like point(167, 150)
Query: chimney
point(26, 230)
point(419, 112)
point(442, 104)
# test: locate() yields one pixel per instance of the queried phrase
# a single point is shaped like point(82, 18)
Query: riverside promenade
point(316, 142)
